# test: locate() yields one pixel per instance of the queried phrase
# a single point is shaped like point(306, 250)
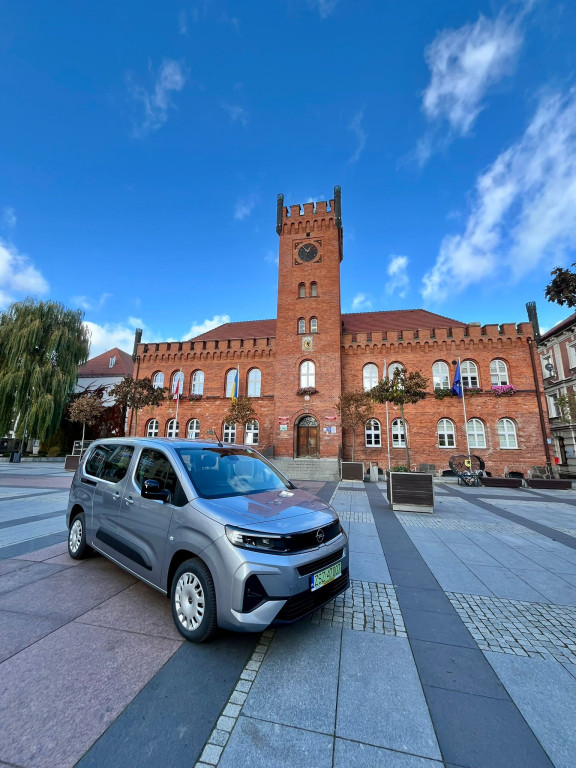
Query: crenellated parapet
point(195, 351)
point(458, 337)
point(309, 217)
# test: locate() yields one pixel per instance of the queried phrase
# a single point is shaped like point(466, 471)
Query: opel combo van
point(216, 527)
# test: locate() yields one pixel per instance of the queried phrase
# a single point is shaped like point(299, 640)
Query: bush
point(400, 468)
point(54, 451)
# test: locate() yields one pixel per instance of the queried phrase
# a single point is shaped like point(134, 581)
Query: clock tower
point(308, 329)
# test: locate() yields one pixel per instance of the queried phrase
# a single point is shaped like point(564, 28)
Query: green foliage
point(562, 288)
point(87, 409)
point(567, 406)
point(54, 451)
point(240, 411)
point(440, 393)
point(400, 468)
point(355, 407)
point(41, 346)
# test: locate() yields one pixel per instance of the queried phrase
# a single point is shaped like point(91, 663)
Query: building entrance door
point(307, 438)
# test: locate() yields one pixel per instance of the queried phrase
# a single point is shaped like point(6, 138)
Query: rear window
point(109, 462)
point(217, 472)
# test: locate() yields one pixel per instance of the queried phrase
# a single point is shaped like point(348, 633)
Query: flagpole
point(464, 409)
point(178, 385)
point(387, 424)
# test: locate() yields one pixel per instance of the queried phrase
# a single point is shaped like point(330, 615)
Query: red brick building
point(296, 366)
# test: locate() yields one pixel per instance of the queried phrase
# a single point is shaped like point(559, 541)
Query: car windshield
point(217, 472)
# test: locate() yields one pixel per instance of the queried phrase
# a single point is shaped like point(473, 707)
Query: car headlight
point(267, 542)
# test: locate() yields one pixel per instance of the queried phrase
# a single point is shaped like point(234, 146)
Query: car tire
point(78, 547)
point(193, 600)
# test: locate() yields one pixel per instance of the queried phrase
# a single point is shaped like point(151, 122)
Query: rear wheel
point(193, 600)
point(77, 545)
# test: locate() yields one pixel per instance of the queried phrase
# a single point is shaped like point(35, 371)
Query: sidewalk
point(456, 646)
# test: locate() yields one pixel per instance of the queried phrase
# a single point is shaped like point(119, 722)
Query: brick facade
point(310, 252)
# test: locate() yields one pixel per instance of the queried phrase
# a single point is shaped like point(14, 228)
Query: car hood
point(282, 511)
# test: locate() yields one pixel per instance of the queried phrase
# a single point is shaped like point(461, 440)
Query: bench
point(501, 482)
point(557, 485)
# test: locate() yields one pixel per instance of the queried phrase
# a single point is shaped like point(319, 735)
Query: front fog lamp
point(255, 540)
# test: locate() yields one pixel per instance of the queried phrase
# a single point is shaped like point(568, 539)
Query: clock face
point(307, 252)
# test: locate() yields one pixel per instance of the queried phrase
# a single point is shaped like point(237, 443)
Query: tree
point(240, 411)
point(354, 407)
point(87, 409)
point(41, 346)
point(137, 394)
point(562, 288)
point(402, 388)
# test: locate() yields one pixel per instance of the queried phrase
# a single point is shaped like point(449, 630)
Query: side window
point(154, 465)
point(110, 462)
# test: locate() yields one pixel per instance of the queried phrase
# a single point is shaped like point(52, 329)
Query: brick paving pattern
point(536, 630)
point(410, 521)
point(366, 607)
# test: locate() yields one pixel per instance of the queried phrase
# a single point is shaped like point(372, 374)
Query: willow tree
point(41, 346)
point(401, 388)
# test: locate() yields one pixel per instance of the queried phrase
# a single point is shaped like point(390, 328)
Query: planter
point(410, 491)
point(545, 483)
point(502, 482)
point(71, 462)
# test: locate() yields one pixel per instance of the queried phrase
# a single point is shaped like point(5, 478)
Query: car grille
point(317, 565)
point(299, 605)
point(299, 542)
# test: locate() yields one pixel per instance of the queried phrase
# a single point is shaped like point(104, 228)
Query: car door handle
point(116, 496)
point(129, 500)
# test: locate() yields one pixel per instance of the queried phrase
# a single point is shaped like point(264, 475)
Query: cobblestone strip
point(357, 517)
point(366, 607)
point(411, 521)
point(537, 630)
point(218, 739)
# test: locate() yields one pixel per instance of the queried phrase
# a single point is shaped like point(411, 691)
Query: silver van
point(214, 526)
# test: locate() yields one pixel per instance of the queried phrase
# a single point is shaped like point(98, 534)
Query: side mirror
point(151, 490)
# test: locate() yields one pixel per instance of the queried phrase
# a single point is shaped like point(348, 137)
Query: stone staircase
point(308, 469)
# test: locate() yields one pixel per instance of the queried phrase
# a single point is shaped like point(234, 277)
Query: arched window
point(469, 373)
point(441, 375)
point(314, 289)
point(152, 428)
point(193, 429)
point(251, 431)
point(254, 382)
point(301, 325)
point(313, 325)
point(499, 373)
point(394, 367)
point(230, 379)
point(172, 428)
point(307, 374)
point(158, 380)
point(369, 376)
point(507, 434)
point(476, 434)
point(302, 291)
point(178, 376)
point(198, 383)
point(446, 434)
point(398, 433)
point(373, 434)
point(229, 433)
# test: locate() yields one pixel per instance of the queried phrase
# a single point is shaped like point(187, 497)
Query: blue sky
point(142, 146)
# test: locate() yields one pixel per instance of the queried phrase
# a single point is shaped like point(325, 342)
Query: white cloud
point(524, 209)
point(171, 78)
point(182, 23)
point(360, 302)
point(88, 303)
point(271, 257)
point(360, 134)
point(206, 325)
point(237, 113)
point(18, 276)
point(324, 7)
point(398, 281)
point(244, 207)
point(464, 63)
point(8, 218)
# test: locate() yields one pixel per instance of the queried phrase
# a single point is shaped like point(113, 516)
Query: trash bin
point(15, 457)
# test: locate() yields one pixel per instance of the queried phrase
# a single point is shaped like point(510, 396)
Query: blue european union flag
point(456, 387)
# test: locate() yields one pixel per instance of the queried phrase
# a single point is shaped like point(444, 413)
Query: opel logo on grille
point(319, 535)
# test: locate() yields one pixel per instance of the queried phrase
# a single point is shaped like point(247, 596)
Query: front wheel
point(78, 547)
point(193, 600)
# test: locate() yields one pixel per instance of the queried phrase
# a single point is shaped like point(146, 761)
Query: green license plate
point(321, 578)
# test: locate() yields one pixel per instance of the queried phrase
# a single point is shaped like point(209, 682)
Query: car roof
point(172, 442)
